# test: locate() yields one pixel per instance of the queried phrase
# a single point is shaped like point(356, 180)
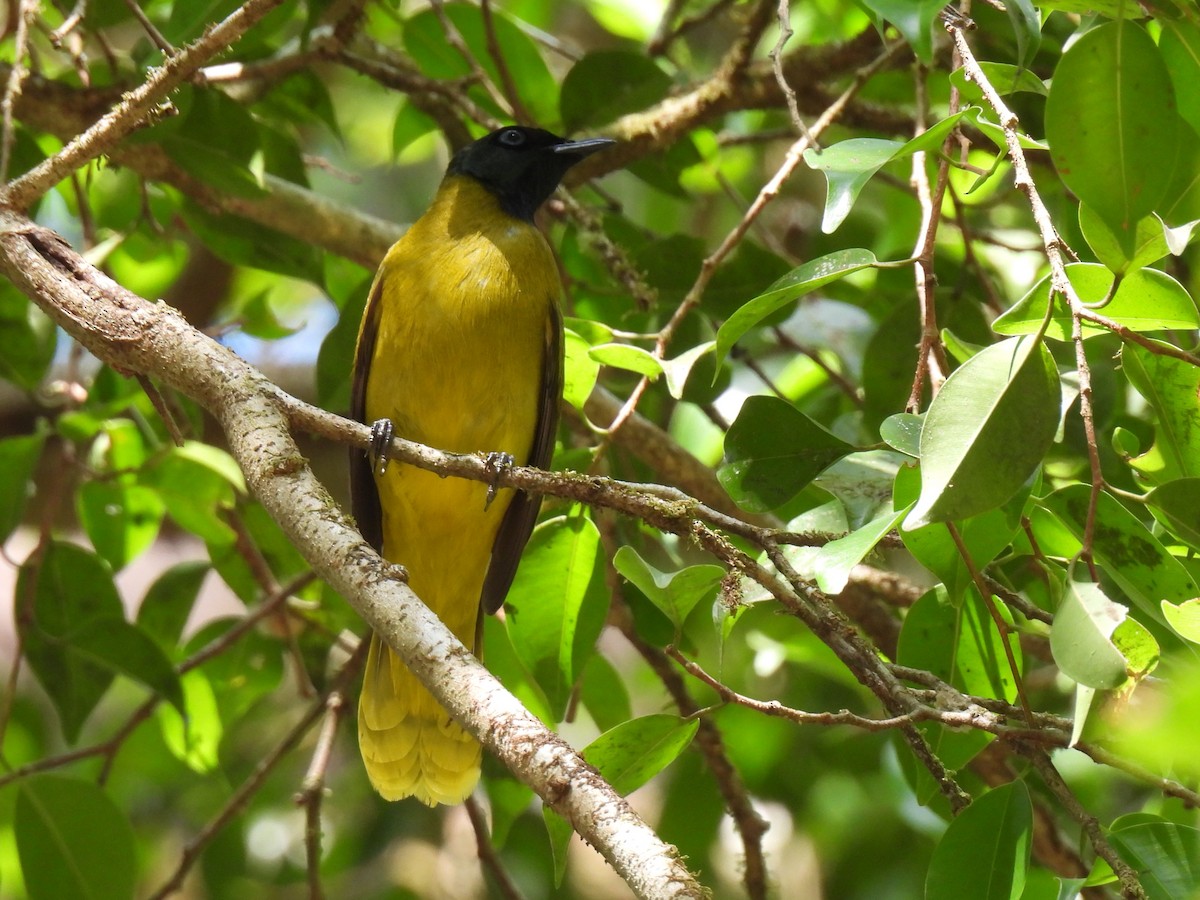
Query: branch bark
point(135, 335)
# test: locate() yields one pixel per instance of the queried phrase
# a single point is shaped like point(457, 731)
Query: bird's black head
point(522, 166)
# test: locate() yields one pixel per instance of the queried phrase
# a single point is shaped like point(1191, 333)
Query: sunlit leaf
point(1184, 618)
point(675, 593)
point(902, 432)
point(1081, 637)
point(1180, 49)
point(833, 562)
point(121, 520)
point(580, 370)
point(800, 281)
point(557, 604)
point(987, 431)
point(1145, 300)
point(635, 751)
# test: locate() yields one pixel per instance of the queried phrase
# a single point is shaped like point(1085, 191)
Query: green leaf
point(244, 243)
point(607, 84)
point(194, 739)
point(124, 648)
point(1176, 505)
point(629, 358)
point(1180, 49)
point(335, 359)
point(635, 751)
point(795, 284)
point(215, 142)
point(411, 123)
point(848, 166)
point(1149, 243)
point(73, 841)
point(1080, 638)
point(1134, 559)
point(679, 369)
point(425, 41)
point(1146, 300)
point(27, 339)
point(674, 593)
point(1166, 856)
point(1112, 125)
point(198, 483)
point(985, 851)
point(1027, 28)
point(71, 590)
point(508, 800)
point(580, 369)
point(121, 520)
point(1005, 78)
point(557, 605)
point(772, 451)
point(187, 20)
point(559, 832)
point(1171, 387)
point(833, 562)
point(914, 19)
point(168, 603)
point(1184, 618)
point(18, 459)
point(902, 432)
point(984, 535)
point(603, 693)
point(987, 431)
point(960, 645)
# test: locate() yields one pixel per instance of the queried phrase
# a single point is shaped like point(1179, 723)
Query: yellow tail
point(410, 745)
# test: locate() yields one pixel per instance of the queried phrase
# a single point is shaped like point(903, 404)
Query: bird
point(460, 348)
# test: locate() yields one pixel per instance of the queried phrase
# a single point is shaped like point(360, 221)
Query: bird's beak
point(583, 148)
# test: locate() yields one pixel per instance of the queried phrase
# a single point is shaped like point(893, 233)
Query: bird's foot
point(382, 432)
point(496, 462)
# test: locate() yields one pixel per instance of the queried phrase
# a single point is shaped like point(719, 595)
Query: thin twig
point(776, 57)
point(520, 114)
point(155, 35)
point(1131, 887)
point(1001, 626)
point(931, 358)
point(487, 853)
point(312, 791)
point(16, 78)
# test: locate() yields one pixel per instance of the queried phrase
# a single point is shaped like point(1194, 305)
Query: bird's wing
point(364, 497)
point(522, 512)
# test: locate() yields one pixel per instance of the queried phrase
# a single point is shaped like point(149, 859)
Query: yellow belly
point(457, 364)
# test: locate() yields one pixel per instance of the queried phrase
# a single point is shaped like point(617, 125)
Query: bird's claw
point(496, 462)
point(382, 432)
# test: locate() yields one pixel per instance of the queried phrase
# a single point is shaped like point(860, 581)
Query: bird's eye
point(512, 137)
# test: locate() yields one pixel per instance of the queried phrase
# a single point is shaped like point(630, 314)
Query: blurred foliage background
point(713, 256)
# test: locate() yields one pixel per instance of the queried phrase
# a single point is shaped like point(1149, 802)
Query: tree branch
point(133, 334)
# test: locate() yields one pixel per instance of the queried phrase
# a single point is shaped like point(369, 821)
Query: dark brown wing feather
point(364, 497)
point(523, 510)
